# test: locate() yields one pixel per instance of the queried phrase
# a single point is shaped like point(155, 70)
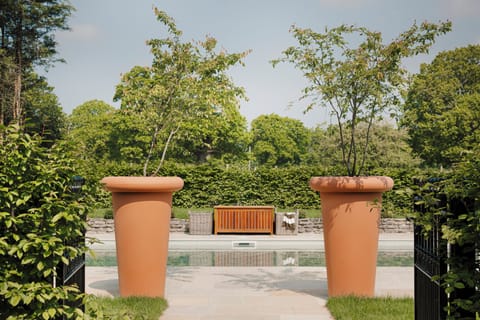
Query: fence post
point(73, 274)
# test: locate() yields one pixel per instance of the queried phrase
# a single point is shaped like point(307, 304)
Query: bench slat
point(243, 219)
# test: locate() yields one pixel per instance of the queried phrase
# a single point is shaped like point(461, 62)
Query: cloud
point(462, 8)
point(80, 32)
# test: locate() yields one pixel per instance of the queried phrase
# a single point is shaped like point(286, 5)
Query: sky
point(107, 39)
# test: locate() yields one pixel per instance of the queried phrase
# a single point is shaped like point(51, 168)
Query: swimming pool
point(251, 258)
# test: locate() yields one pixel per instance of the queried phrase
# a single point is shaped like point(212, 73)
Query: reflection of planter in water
point(142, 208)
point(351, 216)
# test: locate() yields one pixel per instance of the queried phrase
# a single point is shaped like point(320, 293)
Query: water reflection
point(252, 258)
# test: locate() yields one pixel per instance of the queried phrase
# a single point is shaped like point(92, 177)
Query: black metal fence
point(73, 273)
point(431, 256)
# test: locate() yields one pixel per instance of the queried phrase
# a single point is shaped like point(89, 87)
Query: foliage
point(359, 85)
point(388, 147)
point(221, 135)
point(28, 40)
point(41, 224)
point(462, 231)
point(43, 113)
point(442, 109)
point(89, 129)
point(452, 200)
point(185, 86)
point(130, 308)
point(352, 308)
point(207, 186)
point(279, 141)
point(214, 183)
point(7, 79)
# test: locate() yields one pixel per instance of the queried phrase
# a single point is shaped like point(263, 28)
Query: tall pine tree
point(27, 39)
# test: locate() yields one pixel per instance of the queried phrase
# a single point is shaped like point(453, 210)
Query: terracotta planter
point(351, 216)
point(142, 209)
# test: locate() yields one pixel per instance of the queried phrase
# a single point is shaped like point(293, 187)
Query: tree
point(7, 76)
point(187, 81)
point(279, 141)
point(89, 130)
point(27, 40)
point(388, 147)
point(442, 108)
point(221, 135)
point(43, 113)
point(358, 84)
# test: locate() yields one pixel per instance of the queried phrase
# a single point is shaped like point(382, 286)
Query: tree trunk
point(17, 107)
point(17, 91)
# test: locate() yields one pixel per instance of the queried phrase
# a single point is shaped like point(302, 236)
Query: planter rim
point(142, 184)
point(351, 184)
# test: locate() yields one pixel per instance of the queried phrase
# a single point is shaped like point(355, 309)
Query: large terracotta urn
point(351, 215)
point(142, 209)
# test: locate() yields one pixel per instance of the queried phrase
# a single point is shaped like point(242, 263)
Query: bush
point(211, 184)
point(452, 199)
point(41, 222)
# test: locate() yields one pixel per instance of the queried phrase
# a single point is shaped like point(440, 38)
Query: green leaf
point(14, 300)
point(40, 266)
point(47, 272)
point(52, 312)
point(58, 216)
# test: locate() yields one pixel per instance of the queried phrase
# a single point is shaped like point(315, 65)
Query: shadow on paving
point(308, 282)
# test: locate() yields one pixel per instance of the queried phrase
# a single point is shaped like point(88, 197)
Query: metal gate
point(431, 253)
point(73, 274)
point(430, 256)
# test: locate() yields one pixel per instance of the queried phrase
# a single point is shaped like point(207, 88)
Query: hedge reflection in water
point(252, 258)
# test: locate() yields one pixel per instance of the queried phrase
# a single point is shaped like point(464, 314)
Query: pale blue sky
point(108, 39)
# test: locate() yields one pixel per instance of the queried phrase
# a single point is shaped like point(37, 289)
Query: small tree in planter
point(359, 83)
point(185, 90)
point(186, 84)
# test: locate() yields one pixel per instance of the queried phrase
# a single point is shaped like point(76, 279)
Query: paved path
point(252, 293)
point(263, 293)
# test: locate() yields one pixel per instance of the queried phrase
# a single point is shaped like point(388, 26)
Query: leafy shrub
point(41, 222)
point(211, 184)
point(452, 199)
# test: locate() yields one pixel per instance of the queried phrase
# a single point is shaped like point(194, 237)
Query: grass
point(143, 308)
point(355, 308)
point(182, 213)
point(105, 213)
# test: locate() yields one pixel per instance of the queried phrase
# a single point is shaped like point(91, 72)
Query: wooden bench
point(243, 219)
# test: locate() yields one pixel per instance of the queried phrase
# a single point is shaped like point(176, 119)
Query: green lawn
point(143, 308)
point(354, 308)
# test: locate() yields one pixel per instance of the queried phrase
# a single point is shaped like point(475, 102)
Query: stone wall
point(308, 225)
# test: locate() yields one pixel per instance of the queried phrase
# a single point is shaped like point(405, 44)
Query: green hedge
point(212, 184)
point(207, 186)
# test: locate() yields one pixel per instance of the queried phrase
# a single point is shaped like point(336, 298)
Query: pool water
point(252, 258)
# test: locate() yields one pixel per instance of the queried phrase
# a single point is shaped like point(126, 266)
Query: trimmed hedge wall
point(207, 186)
point(211, 184)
